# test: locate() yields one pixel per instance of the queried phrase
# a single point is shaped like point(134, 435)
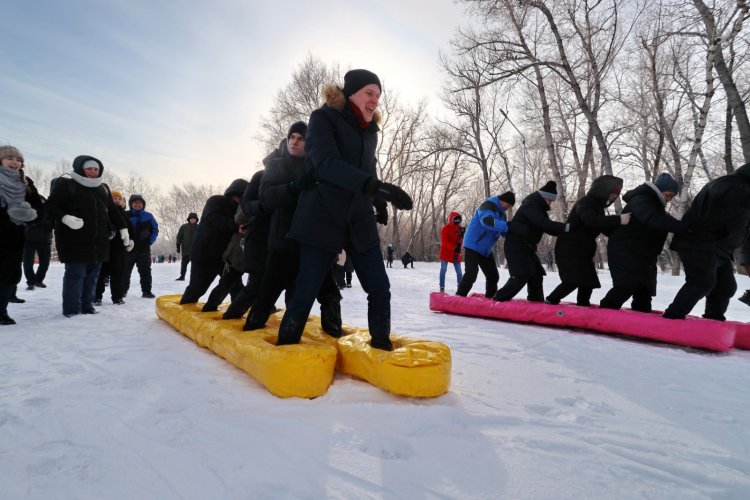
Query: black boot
point(210, 307)
point(290, 331)
point(330, 316)
point(16, 300)
point(6, 320)
point(257, 319)
point(745, 299)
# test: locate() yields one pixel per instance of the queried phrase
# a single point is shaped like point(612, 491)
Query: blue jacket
point(145, 229)
point(488, 223)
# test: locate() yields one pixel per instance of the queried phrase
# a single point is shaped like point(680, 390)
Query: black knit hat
point(549, 191)
point(358, 78)
point(298, 127)
point(192, 215)
point(666, 183)
point(508, 197)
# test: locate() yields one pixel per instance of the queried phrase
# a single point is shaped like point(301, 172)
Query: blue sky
point(175, 90)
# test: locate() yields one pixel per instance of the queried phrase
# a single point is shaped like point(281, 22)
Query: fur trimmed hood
point(333, 96)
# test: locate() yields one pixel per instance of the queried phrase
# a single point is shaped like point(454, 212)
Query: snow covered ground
point(119, 405)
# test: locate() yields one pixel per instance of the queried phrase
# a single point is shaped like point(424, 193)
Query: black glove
point(397, 196)
point(381, 214)
point(178, 248)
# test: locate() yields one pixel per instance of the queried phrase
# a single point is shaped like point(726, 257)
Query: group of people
point(318, 194)
point(714, 226)
point(95, 237)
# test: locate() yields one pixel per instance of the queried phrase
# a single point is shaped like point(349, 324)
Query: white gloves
point(72, 221)
point(23, 212)
point(125, 237)
point(624, 219)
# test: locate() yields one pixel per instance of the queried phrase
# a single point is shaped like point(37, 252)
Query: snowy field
point(121, 406)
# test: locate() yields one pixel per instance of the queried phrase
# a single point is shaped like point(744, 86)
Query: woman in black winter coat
point(19, 204)
point(632, 250)
point(524, 234)
point(86, 218)
point(215, 230)
point(574, 251)
point(338, 211)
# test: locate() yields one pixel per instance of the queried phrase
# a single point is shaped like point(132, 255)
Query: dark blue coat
point(256, 230)
point(217, 225)
point(341, 156)
point(279, 196)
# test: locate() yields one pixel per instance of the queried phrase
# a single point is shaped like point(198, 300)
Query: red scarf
point(360, 117)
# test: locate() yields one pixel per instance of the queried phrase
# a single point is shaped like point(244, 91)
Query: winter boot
point(6, 320)
point(290, 331)
point(16, 300)
point(257, 319)
point(330, 316)
point(210, 307)
point(745, 299)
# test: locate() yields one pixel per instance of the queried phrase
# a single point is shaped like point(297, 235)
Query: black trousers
point(707, 274)
point(618, 295)
point(533, 284)
point(281, 274)
point(142, 260)
point(183, 265)
point(44, 251)
point(473, 261)
point(230, 283)
point(564, 289)
point(202, 274)
point(114, 269)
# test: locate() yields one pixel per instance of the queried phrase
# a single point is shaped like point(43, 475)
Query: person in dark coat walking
point(574, 251)
point(718, 219)
point(85, 216)
point(19, 204)
point(407, 259)
point(389, 252)
point(215, 229)
point(114, 269)
point(488, 223)
point(451, 241)
point(145, 231)
point(37, 244)
point(632, 250)
point(280, 187)
point(524, 234)
point(184, 242)
point(338, 212)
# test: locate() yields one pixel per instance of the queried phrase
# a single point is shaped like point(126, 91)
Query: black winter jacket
point(256, 235)
point(525, 232)
point(95, 206)
point(12, 239)
point(217, 225)
point(279, 195)
point(719, 215)
point(632, 249)
point(341, 156)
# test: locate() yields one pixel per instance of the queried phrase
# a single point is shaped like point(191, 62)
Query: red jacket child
point(452, 238)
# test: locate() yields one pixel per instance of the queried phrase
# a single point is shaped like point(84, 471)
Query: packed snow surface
point(119, 405)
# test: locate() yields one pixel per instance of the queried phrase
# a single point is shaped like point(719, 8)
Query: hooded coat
point(632, 249)
point(92, 204)
point(525, 232)
point(719, 215)
point(483, 233)
point(451, 239)
point(574, 251)
point(341, 156)
point(217, 224)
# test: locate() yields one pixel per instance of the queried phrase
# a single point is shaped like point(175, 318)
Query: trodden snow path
point(119, 405)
